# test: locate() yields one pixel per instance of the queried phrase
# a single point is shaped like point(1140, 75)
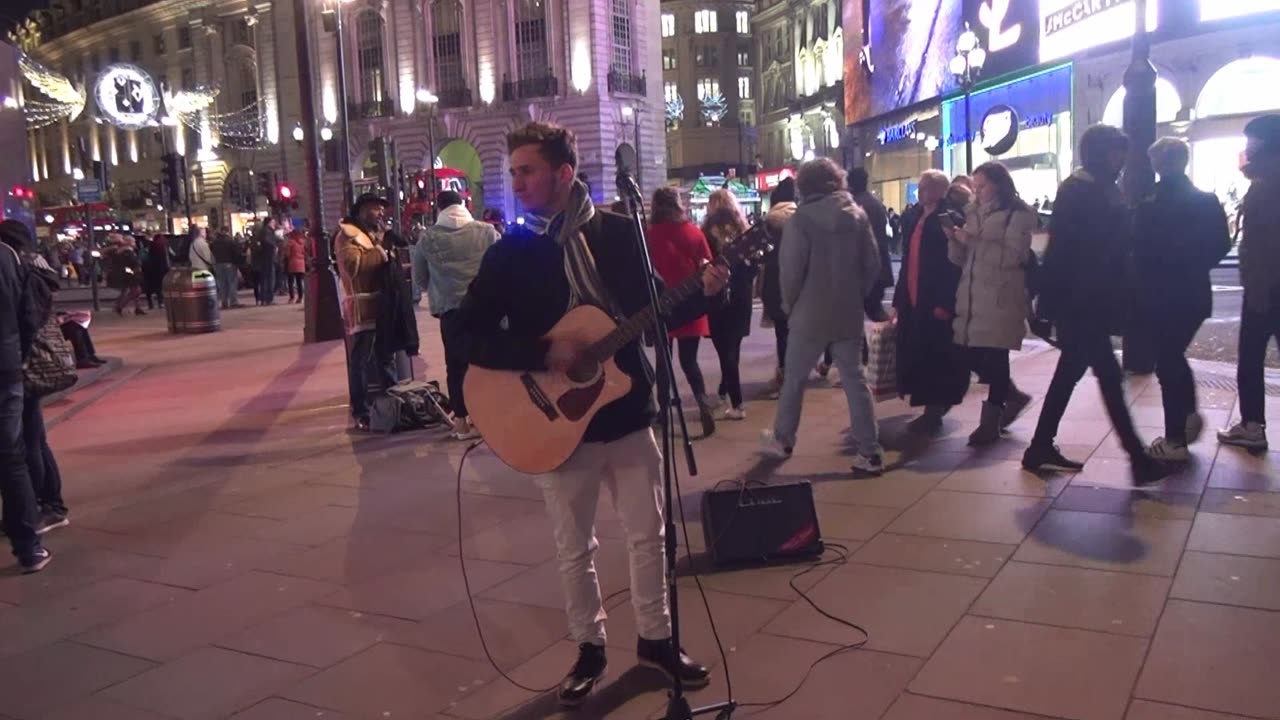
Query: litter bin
point(191, 301)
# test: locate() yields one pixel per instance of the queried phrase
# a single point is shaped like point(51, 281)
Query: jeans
point(294, 280)
point(46, 480)
point(365, 370)
point(1172, 336)
point(1085, 348)
point(454, 337)
point(21, 513)
point(687, 349)
point(992, 367)
point(227, 277)
point(802, 353)
point(1256, 331)
point(631, 467)
point(729, 350)
point(267, 285)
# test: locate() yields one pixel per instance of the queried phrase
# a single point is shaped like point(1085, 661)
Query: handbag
point(882, 361)
point(51, 367)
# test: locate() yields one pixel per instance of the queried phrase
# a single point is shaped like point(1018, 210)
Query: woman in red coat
point(679, 248)
point(295, 263)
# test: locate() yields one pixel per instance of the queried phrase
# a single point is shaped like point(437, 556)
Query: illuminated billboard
point(1223, 9)
point(1068, 27)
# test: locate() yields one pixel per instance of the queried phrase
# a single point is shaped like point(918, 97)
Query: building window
point(711, 102)
point(446, 21)
point(672, 102)
point(369, 53)
point(744, 87)
point(621, 61)
point(184, 37)
point(708, 87)
point(743, 20)
point(668, 58)
point(668, 25)
point(704, 21)
point(135, 51)
point(531, 39)
point(157, 43)
point(707, 56)
point(744, 58)
point(245, 76)
point(241, 34)
point(188, 79)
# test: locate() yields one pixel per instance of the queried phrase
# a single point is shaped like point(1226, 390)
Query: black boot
point(930, 423)
point(705, 415)
point(582, 679)
point(661, 655)
point(1048, 456)
point(988, 430)
point(1014, 406)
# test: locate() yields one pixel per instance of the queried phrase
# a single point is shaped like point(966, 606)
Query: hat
point(365, 199)
point(15, 234)
point(1266, 131)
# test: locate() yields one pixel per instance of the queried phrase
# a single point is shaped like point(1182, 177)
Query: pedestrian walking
point(730, 320)
point(859, 188)
point(19, 323)
point(782, 205)
point(154, 268)
point(265, 253)
point(679, 249)
point(446, 259)
point(360, 257)
point(1260, 275)
point(124, 274)
point(992, 248)
point(829, 260)
point(1180, 235)
point(1085, 292)
point(295, 263)
point(930, 372)
point(226, 269)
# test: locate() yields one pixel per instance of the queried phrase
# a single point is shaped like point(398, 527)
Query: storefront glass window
point(1168, 104)
point(1241, 87)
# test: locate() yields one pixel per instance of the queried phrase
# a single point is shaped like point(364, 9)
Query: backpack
point(410, 405)
point(51, 367)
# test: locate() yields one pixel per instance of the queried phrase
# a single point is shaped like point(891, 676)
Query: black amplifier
point(754, 523)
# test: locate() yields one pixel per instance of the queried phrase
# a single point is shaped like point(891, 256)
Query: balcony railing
point(456, 98)
point(625, 82)
point(535, 87)
point(370, 109)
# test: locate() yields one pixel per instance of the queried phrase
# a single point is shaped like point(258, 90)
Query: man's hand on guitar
point(563, 355)
point(714, 279)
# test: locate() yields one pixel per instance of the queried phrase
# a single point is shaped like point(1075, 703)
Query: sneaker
point(1194, 427)
point(1041, 457)
point(868, 464)
point(1147, 471)
point(660, 654)
point(1014, 407)
point(38, 561)
point(772, 447)
point(51, 521)
point(586, 672)
point(1249, 435)
point(734, 413)
point(1168, 451)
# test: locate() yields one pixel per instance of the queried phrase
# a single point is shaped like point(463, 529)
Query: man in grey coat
point(828, 263)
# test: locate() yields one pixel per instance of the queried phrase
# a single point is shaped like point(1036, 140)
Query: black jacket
point(1179, 236)
point(879, 219)
point(224, 250)
point(397, 325)
point(19, 316)
point(522, 281)
point(1086, 279)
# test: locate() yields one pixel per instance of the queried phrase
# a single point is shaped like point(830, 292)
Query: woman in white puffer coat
point(992, 250)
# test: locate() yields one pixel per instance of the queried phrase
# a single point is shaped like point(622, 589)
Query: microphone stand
point(669, 398)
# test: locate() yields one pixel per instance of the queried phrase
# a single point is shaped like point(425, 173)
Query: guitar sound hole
point(584, 371)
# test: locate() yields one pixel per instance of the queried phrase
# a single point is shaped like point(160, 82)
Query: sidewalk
point(236, 553)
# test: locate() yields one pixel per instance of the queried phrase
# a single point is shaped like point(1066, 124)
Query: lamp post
point(966, 66)
point(348, 193)
point(429, 100)
point(1140, 125)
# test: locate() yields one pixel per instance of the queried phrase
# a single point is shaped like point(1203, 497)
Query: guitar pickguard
point(577, 402)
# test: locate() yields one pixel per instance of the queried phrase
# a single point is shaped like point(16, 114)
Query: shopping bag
point(51, 367)
point(882, 361)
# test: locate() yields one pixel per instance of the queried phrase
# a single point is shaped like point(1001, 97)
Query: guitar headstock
point(749, 247)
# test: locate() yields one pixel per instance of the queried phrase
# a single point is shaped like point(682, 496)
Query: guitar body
point(534, 421)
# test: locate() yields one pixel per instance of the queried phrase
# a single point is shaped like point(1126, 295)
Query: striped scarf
point(585, 285)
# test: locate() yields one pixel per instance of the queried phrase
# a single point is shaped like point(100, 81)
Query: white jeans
point(802, 353)
point(631, 467)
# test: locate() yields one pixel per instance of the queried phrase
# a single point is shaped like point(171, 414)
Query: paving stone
point(918, 707)
point(277, 709)
point(97, 707)
point(1112, 470)
point(1240, 644)
point(736, 617)
point(853, 522)
point(969, 516)
point(514, 633)
point(1144, 710)
point(1103, 541)
point(1236, 534)
point(416, 594)
point(316, 636)
point(960, 557)
point(1229, 580)
point(37, 682)
point(1138, 503)
point(1240, 502)
point(1236, 469)
point(1003, 478)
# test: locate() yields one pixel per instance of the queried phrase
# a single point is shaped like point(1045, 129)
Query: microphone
point(627, 188)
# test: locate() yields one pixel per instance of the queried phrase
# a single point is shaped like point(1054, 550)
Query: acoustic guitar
point(534, 421)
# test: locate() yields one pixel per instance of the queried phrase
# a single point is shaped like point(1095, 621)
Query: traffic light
point(266, 185)
point(284, 200)
point(172, 175)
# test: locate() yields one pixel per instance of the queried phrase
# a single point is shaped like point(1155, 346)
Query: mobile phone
point(947, 221)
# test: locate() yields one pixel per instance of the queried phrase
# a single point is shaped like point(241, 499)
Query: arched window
point(247, 80)
point(370, 31)
point(1168, 104)
point(531, 39)
point(446, 22)
point(1241, 87)
point(621, 60)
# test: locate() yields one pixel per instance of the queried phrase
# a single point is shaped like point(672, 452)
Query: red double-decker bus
point(422, 199)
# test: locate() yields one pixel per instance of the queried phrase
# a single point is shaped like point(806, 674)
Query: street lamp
point(298, 132)
point(429, 100)
point(348, 193)
point(966, 66)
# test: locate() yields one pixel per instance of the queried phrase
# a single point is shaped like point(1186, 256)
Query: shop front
point(698, 194)
point(1025, 123)
point(766, 181)
point(897, 148)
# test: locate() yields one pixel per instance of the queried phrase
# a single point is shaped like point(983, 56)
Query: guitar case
point(758, 524)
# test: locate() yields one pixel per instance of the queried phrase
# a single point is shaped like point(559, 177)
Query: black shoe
point(582, 679)
point(139, 311)
point(52, 521)
point(1014, 407)
point(37, 561)
point(98, 360)
point(1038, 457)
point(660, 654)
point(361, 424)
point(1147, 471)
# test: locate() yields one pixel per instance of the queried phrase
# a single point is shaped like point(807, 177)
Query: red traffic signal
point(422, 184)
point(284, 192)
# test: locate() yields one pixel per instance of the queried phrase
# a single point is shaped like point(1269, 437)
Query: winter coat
point(991, 300)
point(1260, 244)
point(730, 318)
point(360, 262)
point(19, 316)
point(265, 247)
point(447, 257)
point(295, 253)
point(879, 219)
point(1180, 234)
point(200, 254)
point(829, 261)
point(155, 267)
point(771, 282)
point(124, 270)
point(224, 250)
point(396, 324)
point(679, 249)
point(1085, 278)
